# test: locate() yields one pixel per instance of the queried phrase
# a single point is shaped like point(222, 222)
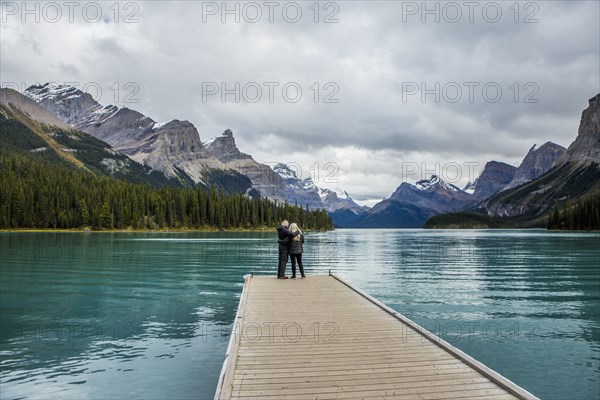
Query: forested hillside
point(581, 215)
point(36, 193)
point(58, 179)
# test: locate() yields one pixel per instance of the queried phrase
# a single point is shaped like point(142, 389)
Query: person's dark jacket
point(296, 245)
point(285, 235)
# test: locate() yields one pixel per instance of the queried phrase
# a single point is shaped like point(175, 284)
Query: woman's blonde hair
point(294, 228)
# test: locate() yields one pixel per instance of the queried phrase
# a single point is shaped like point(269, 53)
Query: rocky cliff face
point(575, 174)
point(229, 157)
point(495, 176)
point(586, 146)
point(225, 149)
point(173, 148)
point(69, 104)
point(536, 163)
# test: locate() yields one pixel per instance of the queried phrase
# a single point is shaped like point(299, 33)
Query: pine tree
point(106, 216)
point(84, 213)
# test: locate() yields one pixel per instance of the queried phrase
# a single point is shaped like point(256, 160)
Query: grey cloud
point(370, 54)
point(68, 69)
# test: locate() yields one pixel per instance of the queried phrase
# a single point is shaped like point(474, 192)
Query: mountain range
point(126, 144)
point(548, 176)
point(575, 174)
point(410, 206)
point(175, 149)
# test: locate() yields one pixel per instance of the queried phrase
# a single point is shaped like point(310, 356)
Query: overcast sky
point(413, 89)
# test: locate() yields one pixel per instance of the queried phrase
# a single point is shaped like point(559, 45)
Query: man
point(284, 236)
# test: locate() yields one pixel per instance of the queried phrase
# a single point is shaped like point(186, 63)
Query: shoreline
point(203, 230)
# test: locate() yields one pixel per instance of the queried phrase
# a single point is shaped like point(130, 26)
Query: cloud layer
point(384, 88)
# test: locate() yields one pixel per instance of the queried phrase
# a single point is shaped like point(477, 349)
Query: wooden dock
point(322, 338)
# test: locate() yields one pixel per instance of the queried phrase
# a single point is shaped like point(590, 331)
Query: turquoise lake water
point(147, 315)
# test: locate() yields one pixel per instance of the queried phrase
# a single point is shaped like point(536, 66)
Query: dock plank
point(321, 338)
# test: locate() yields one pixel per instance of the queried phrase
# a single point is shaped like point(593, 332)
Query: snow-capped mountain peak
point(309, 184)
point(305, 191)
point(291, 178)
point(324, 193)
point(425, 184)
point(100, 115)
point(70, 104)
point(51, 91)
point(285, 171)
point(434, 181)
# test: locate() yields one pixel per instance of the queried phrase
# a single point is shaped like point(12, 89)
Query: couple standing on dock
point(290, 244)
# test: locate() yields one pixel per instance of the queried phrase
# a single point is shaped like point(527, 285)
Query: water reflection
point(141, 315)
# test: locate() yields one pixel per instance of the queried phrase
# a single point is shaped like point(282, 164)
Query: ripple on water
point(150, 315)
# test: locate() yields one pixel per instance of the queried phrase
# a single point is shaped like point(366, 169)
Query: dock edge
point(228, 368)
point(489, 373)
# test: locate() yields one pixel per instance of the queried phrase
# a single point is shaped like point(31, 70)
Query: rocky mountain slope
point(536, 163)
point(29, 129)
point(173, 148)
point(568, 181)
point(576, 174)
point(494, 177)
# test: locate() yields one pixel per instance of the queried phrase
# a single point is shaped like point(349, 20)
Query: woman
point(296, 250)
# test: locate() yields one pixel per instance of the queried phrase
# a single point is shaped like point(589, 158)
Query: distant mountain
point(536, 163)
point(341, 207)
point(575, 175)
point(173, 148)
point(338, 203)
point(29, 129)
point(299, 191)
point(410, 206)
point(339, 199)
point(495, 176)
